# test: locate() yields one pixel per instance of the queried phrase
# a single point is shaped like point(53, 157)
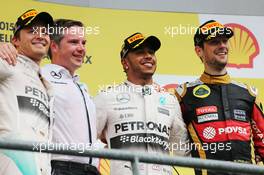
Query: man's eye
point(152, 52)
point(32, 31)
point(139, 51)
point(214, 42)
point(74, 41)
point(225, 40)
point(44, 31)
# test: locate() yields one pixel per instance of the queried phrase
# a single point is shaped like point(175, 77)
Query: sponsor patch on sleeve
point(240, 115)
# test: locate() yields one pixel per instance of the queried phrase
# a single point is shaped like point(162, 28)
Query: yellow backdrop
point(106, 31)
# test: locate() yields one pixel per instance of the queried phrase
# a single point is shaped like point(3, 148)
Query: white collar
point(29, 63)
point(146, 89)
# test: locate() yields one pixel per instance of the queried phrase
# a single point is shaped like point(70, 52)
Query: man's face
point(215, 53)
point(141, 63)
point(71, 49)
point(33, 42)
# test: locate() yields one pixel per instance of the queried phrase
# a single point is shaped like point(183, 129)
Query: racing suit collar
point(215, 79)
point(144, 90)
point(65, 72)
point(28, 63)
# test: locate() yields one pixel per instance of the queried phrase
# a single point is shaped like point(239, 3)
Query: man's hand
point(8, 52)
point(258, 160)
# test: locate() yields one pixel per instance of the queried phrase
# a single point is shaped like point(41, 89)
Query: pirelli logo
point(29, 14)
point(211, 25)
point(135, 37)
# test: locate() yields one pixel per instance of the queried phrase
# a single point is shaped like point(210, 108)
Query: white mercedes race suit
point(25, 101)
point(140, 118)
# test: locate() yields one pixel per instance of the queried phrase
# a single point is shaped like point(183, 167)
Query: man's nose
point(147, 54)
point(223, 43)
point(81, 46)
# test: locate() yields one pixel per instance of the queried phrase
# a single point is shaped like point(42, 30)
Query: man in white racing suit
point(26, 98)
point(138, 115)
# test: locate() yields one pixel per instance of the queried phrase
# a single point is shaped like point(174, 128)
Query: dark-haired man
point(224, 118)
point(138, 115)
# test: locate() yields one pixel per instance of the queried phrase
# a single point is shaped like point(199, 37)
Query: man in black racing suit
point(224, 118)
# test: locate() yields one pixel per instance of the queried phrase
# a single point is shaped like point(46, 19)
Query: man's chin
point(220, 66)
point(78, 65)
point(148, 74)
point(40, 49)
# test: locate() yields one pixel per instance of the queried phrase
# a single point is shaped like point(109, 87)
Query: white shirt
point(74, 113)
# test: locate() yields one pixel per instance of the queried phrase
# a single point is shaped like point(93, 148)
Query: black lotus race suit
point(224, 120)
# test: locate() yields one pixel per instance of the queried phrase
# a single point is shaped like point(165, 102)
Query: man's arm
point(257, 124)
point(6, 70)
point(8, 52)
point(179, 138)
point(101, 116)
point(8, 55)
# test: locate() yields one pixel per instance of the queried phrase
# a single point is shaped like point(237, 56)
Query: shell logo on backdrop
point(243, 47)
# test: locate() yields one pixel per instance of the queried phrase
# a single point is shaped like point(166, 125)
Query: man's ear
point(124, 63)
point(53, 46)
point(14, 41)
point(198, 51)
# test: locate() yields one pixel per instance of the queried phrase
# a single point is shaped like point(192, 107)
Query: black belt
point(75, 166)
